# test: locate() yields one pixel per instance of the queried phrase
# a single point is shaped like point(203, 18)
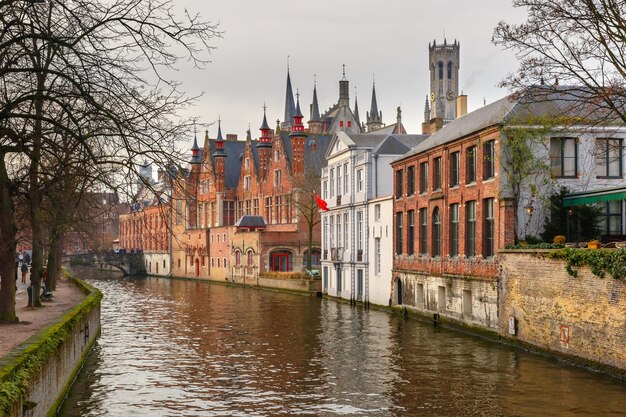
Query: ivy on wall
point(600, 261)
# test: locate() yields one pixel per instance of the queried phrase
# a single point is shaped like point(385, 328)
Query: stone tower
point(444, 61)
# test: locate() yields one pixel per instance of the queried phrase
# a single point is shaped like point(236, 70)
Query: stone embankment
point(36, 375)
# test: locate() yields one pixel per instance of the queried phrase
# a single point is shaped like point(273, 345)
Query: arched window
point(237, 258)
point(440, 70)
point(315, 257)
point(218, 263)
point(225, 266)
point(449, 70)
point(250, 258)
point(281, 260)
point(436, 232)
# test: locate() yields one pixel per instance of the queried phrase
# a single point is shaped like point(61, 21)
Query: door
point(197, 267)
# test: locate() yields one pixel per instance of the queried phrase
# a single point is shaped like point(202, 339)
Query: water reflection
point(182, 348)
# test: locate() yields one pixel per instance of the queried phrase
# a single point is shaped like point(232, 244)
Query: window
point(489, 162)
point(449, 70)
point(229, 213)
point(488, 229)
point(179, 212)
point(470, 165)
point(436, 230)
point(470, 229)
point(440, 70)
point(454, 229)
point(341, 123)
point(345, 229)
point(611, 224)
point(276, 155)
point(250, 258)
point(247, 163)
point(423, 231)
point(563, 157)
point(411, 236)
point(218, 263)
point(454, 169)
point(437, 174)
point(609, 158)
point(339, 231)
point(349, 123)
point(255, 206)
point(359, 181)
point(399, 233)
point(339, 180)
point(423, 177)
point(277, 178)
point(346, 185)
point(377, 212)
point(332, 182)
point(377, 251)
point(399, 185)
point(224, 263)
point(325, 234)
point(359, 230)
point(410, 180)
point(246, 183)
point(237, 258)
point(331, 231)
point(325, 189)
point(278, 203)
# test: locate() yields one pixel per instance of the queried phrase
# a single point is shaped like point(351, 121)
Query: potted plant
point(593, 244)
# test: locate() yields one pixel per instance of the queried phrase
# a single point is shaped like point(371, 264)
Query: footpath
point(31, 320)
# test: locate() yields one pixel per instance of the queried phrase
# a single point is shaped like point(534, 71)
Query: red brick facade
point(470, 181)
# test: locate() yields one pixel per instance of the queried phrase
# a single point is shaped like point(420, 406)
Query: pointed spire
point(219, 142)
point(264, 141)
point(357, 118)
point(427, 110)
point(195, 150)
point(297, 127)
point(315, 111)
point(374, 106)
point(344, 93)
point(290, 107)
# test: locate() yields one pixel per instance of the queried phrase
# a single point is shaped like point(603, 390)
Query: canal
point(184, 348)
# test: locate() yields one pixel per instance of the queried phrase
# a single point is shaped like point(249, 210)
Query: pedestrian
point(27, 258)
point(24, 272)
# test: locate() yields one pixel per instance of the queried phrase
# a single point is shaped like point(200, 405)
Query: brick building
point(455, 207)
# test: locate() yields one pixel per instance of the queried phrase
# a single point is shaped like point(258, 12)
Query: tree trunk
point(8, 234)
point(54, 260)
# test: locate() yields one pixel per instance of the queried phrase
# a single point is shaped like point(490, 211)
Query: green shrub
point(601, 261)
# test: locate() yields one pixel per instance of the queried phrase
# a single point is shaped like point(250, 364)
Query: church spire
point(195, 150)
point(315, 109)
point(374, 117)
point(290, 107)
point(264, 141)
point(356, 110)
point(427, 110)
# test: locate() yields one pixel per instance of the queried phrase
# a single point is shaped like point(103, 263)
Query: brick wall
point(583, 316)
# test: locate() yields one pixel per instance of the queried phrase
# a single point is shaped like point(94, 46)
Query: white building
point(356, 178)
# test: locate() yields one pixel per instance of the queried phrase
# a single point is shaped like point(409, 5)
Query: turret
point(344, 90)
point(219, 155)
point(264, 146)
point(298, 138)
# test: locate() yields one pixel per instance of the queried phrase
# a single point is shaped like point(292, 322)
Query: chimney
point(461, 105)
point(231, 137)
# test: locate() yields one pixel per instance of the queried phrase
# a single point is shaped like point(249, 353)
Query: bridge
point(128, 263)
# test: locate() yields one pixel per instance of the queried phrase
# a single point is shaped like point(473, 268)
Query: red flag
point(321, 203)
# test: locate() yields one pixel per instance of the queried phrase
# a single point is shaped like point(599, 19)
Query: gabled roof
point(568, 104)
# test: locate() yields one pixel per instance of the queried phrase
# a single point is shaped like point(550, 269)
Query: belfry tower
point(444, 61)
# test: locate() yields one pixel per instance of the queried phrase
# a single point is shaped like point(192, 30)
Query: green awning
point(594, 197)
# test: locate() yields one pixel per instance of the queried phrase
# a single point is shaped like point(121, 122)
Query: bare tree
point(73, 73)
point(576, 44)
point(306, 185)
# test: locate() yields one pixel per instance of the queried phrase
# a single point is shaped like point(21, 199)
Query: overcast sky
point(386, 38)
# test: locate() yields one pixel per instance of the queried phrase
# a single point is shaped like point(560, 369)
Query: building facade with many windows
point(358, 172)
point(464, 193)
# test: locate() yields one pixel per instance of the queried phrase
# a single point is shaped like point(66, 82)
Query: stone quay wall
point(35, 376)
point(582, 317)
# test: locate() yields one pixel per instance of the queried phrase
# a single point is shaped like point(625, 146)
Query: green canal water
point(184, 348)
